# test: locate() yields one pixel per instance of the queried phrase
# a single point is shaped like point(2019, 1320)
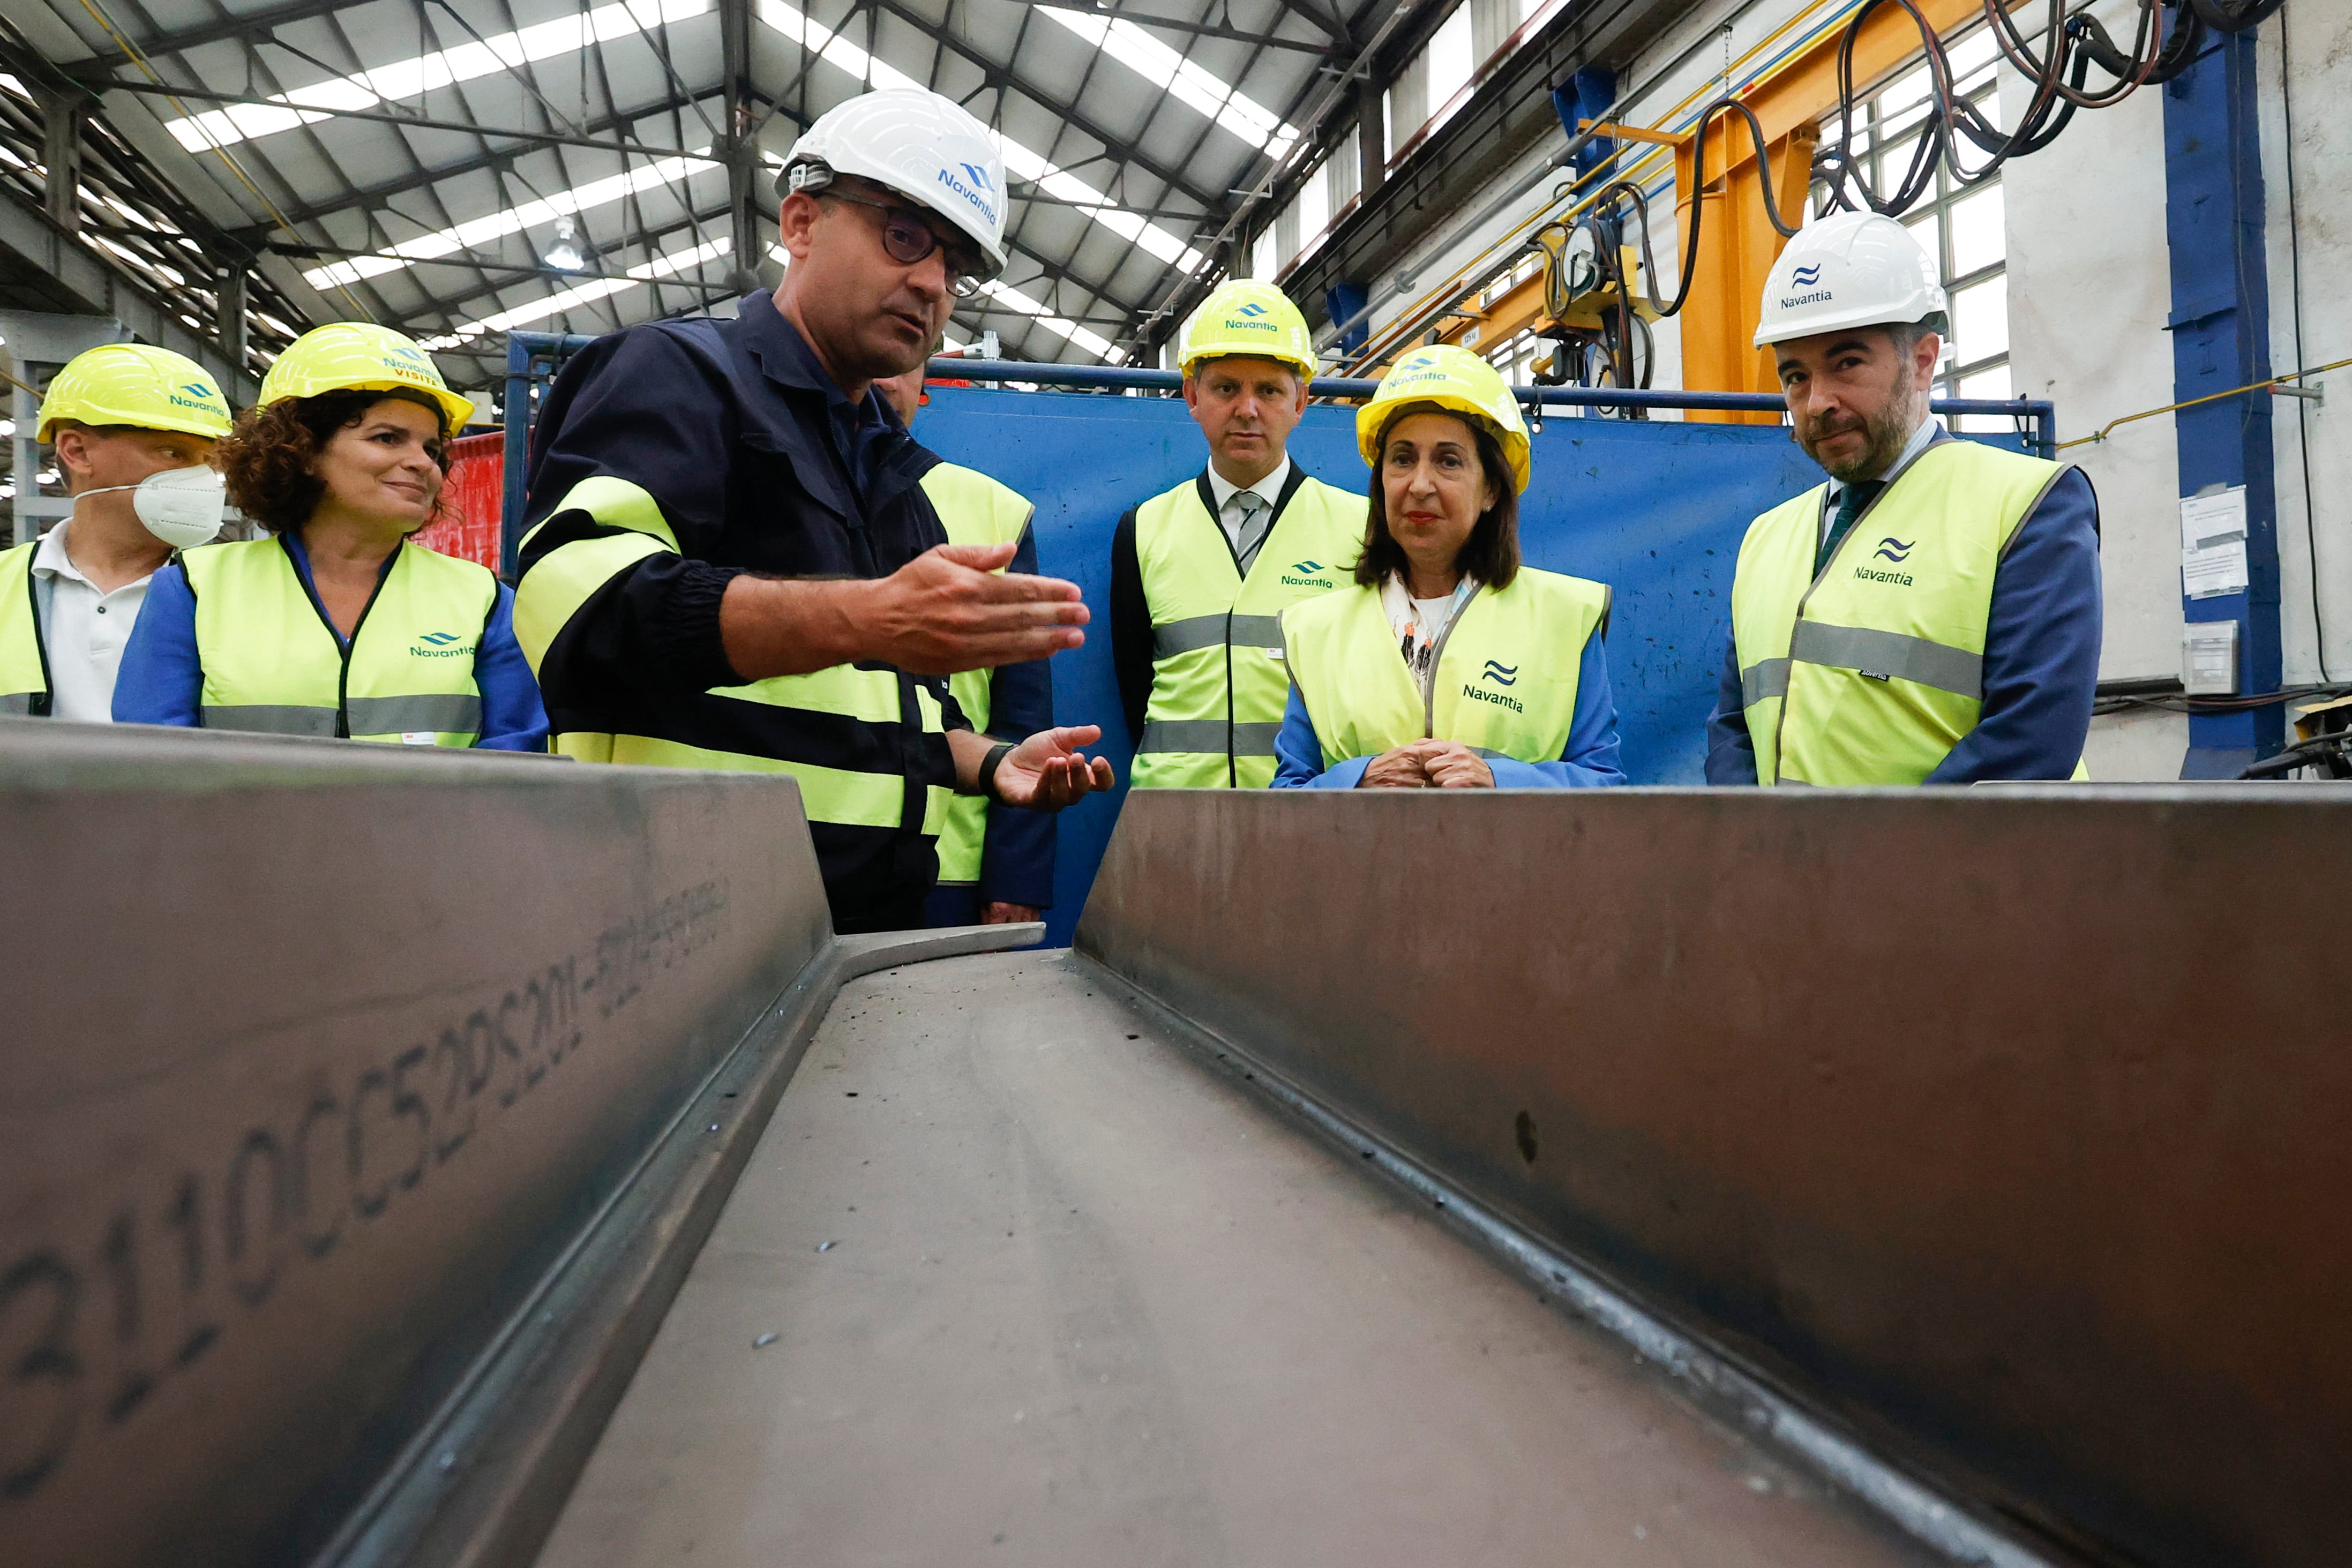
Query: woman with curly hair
point(337, 626)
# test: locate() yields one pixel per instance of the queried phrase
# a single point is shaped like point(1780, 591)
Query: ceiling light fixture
point(565, 254)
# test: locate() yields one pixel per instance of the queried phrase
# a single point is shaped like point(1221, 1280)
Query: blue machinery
point(1654, 509)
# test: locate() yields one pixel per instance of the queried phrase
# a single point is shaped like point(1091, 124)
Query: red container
point(472, 501)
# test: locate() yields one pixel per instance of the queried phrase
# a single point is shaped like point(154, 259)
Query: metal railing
point(2038, 416)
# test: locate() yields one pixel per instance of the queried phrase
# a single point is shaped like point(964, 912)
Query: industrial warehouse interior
point(1175, 781)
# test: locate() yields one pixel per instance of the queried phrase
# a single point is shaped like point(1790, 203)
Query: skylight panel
point(1020, 162)
point(1141, 52)
point(586, 293)
point(513, 220)
point(413, 78)
point(1013, 299)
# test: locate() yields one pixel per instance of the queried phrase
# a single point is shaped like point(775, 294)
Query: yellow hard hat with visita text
point(360, 356)
point(1458, 382)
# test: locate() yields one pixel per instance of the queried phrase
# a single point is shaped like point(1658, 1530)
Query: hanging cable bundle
point(2058, 61)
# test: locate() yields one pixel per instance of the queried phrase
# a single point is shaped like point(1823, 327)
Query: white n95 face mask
point(182, 506)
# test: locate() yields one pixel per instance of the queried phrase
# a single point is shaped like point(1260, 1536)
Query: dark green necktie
point(1850, 504)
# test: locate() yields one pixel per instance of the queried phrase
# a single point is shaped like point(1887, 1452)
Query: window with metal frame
point(1964, 227)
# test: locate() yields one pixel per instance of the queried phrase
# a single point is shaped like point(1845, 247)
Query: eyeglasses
point(908, 239)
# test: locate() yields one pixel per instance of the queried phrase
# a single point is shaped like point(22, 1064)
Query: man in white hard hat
point(130, 426)
point(1200, 574)
point(1930, 616)
point(732, 561)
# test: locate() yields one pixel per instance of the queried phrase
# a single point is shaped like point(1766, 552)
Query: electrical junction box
point(2208, 658)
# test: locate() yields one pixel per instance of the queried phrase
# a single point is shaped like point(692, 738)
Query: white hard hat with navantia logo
point(1849, 269)
point(923, 146)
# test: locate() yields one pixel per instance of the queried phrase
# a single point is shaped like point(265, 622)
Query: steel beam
point(62, 116)
point(1005, 78)
point(79, 283)
point(375, 195)
point(2221, 338)
point(1235, 35)
point(1896, 1092)
point(410, 121)
point(181, 39)
point(741, 144)
point(1510, 113)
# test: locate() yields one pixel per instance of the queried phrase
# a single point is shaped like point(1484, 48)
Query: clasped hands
point(1428, 765)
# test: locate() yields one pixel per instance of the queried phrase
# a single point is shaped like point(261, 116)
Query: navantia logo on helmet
point(987, 208)
point(978, 177)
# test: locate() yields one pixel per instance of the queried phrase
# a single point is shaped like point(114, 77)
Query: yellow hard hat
point(1255, 319)
point(1457, 381)
point(139, 385)
point(360, 356)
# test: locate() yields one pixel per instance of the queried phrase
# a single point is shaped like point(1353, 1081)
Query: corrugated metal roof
point(408, 160)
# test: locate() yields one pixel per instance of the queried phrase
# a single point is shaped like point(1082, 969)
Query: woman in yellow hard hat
point(1449, 665)
point(337, 626)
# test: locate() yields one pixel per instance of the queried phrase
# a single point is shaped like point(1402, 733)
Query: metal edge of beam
point(98, 292)
point(485, 1480)
point(1717, 1383)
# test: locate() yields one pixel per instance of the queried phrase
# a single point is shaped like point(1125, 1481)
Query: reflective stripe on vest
point(272, 662)
point(975, 510)
point(1507, 669)
point(1871, 672)
point(880, 699)
point(24, 661)
point(1218, 679)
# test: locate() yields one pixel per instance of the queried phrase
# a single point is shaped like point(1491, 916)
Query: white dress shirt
point(82, 630)
point(1268, 489)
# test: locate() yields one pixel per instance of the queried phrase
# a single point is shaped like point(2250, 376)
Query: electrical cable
point(2107, 429)
point(2302, 415)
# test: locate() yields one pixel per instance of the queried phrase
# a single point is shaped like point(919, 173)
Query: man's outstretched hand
point(950, 609)
point(1047, 771)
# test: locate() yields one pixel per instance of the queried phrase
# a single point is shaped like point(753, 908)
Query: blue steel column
point(2221, 338)
point(517, 454)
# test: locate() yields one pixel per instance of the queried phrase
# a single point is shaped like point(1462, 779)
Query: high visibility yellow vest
point(1218, 681)
point(800, 716)
point(23, 660)
point(975, 510)
point(271, 661)
point(1506, 679)
point(1871, 672)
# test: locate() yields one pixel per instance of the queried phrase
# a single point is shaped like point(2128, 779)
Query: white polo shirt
point(82, 630)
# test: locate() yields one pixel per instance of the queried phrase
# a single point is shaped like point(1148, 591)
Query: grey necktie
point(1249, 511)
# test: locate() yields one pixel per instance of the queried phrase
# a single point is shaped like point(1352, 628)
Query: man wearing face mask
point(130, 426)
point(732, 561)
point(1929, 616)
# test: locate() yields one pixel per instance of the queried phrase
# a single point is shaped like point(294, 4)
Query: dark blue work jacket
point(757, 462)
